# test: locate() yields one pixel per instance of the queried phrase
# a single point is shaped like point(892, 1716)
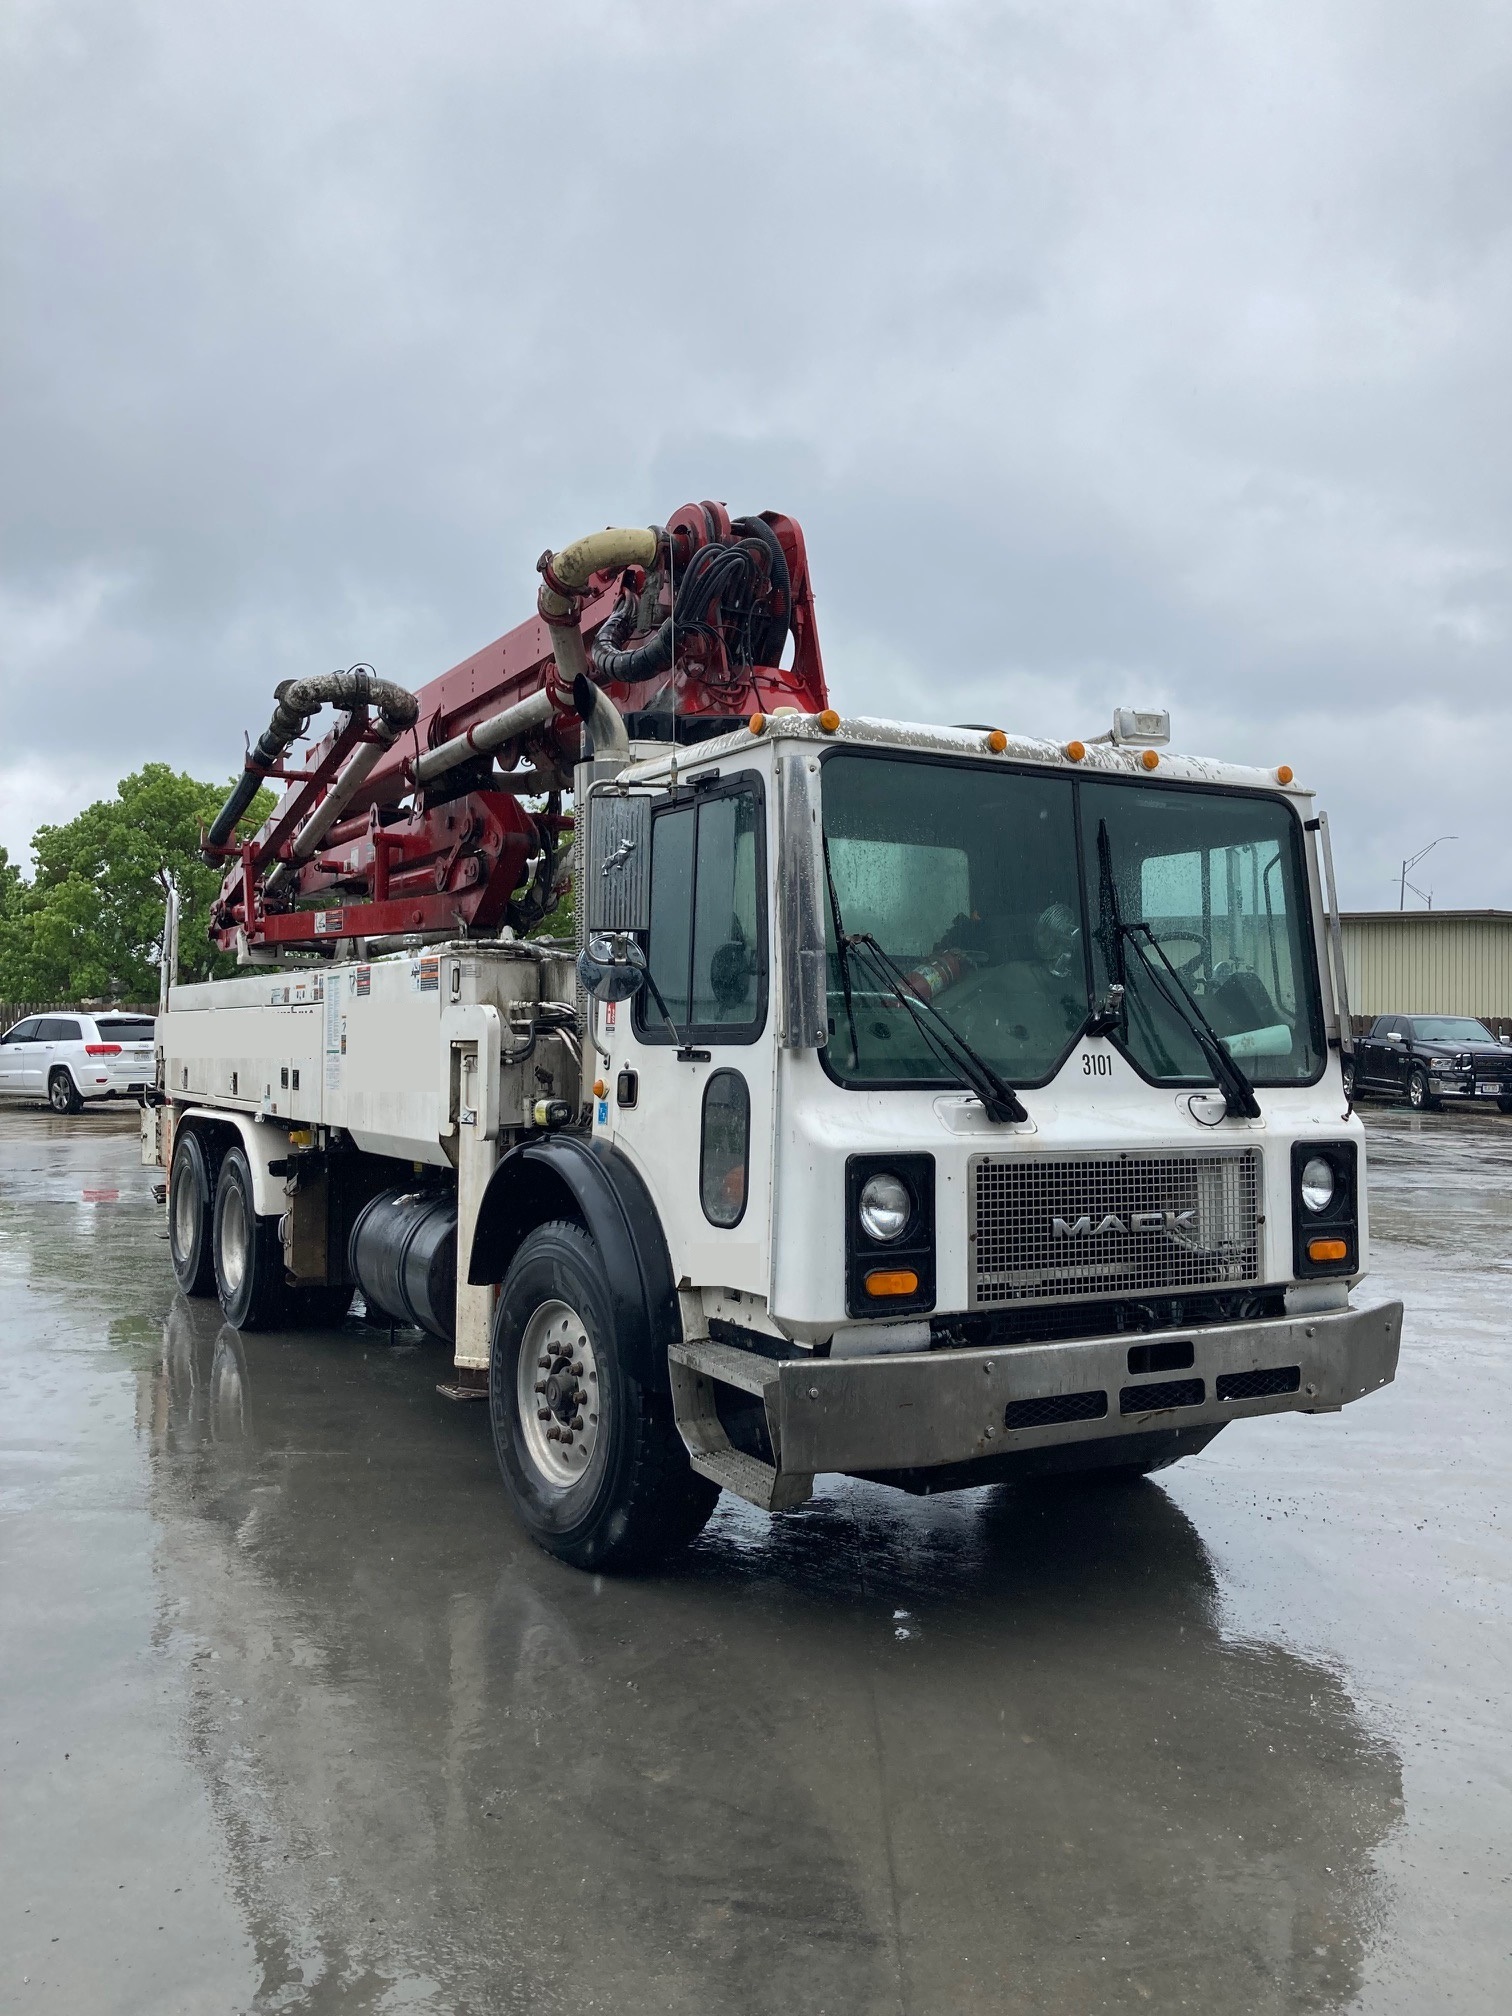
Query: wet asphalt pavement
point(293, 1719)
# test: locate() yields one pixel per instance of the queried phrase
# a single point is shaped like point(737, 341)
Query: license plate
point(1491, 1091)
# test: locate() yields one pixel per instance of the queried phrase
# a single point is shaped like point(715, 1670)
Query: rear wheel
point(249, 1269)
point(63, 1094)
point(1419, 1098)
point(590, 1456)
point(191, 1199)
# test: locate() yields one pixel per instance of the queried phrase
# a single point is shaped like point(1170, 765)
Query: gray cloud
point(1107, 354)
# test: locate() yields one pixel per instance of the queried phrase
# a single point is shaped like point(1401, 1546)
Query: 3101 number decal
point(1096, 1064)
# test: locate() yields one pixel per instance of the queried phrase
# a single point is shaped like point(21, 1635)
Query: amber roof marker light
point(1285, 774)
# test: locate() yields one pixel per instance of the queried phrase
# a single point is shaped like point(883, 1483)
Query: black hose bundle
point(739, 592)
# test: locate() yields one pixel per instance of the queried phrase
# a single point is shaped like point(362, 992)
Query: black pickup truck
point(1427, 1058)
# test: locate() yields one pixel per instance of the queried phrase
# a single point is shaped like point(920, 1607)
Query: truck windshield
point(973, 882)
point(1217, 881)
point(1450, 1029)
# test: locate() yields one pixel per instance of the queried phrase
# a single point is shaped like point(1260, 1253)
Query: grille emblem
point(1058, 1227)
point(1137, 1221)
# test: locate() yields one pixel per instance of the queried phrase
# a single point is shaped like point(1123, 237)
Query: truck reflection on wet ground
point(968, 1752)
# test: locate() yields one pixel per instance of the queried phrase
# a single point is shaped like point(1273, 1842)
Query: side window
point(24, 1032)
point(726, 951)
point(725, 1148)
point(56, 1029)
point(670, 941)
point(706, 948)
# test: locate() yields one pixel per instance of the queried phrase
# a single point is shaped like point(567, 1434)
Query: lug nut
point(543, 1413)
point(540, 1386)
point(578, 1423)
point(577, 1371)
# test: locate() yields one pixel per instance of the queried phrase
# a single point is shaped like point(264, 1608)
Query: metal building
point(1430, 962)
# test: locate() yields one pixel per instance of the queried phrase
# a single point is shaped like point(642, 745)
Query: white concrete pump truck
point(928, 1104)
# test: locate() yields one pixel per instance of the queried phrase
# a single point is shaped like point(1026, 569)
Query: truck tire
point(591, 1457)
point(1418, 1096)
point(191, 1210)
point(1349, 1079)
point(62, 1093)
point(249, 1269)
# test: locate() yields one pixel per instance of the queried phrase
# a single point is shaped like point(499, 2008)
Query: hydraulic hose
point(708, 577)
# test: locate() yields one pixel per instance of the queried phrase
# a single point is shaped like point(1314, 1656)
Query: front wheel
point(1418, 1096)
point(249, 1269)
point(1349, 1078)
point(591, 1457)
point(63, 1094)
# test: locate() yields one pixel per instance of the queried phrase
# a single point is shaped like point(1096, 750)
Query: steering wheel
point(1185, 966)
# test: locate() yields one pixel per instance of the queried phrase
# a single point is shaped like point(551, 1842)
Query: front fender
point(563, 1176)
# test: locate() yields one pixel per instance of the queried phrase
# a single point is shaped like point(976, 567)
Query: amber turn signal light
point(756, 723)
point(829, 720)
point(892, 1281)
point(600, 1089)
point(997, 741)
point(1327, 1249)
point(1149, 759)
point(1285, 774)
point(1075, 751)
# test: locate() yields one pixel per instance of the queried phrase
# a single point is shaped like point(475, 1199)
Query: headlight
point(1317, 1183)
point(885, 1207)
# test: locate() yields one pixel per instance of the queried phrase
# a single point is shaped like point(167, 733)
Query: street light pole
point(1411, 862)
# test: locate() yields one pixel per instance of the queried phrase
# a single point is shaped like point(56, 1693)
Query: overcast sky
point(1145, 353)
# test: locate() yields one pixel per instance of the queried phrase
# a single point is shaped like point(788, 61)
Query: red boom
point(407, 817)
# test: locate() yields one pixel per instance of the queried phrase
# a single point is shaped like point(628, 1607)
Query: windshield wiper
point(1238, 1092)
point(996, 1094)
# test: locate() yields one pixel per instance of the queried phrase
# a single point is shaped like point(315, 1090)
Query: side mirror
point(612, 967)
point(1395, 1036)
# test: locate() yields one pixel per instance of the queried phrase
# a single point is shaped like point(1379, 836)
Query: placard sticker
point(362, 979)
point(609, 1013)
point(425, 976)
point(335, 1042)
point(603, 1113)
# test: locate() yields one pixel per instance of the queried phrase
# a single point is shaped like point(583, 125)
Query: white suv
point(68, 1058)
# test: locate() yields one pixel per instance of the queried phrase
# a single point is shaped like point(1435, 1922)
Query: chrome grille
point(1118, 1225)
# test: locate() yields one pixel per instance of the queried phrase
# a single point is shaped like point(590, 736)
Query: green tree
point(90, 924)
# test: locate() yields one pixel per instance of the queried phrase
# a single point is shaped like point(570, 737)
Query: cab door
point(689, 1091)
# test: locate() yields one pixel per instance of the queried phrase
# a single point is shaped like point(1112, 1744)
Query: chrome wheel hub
point(557, 1394)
